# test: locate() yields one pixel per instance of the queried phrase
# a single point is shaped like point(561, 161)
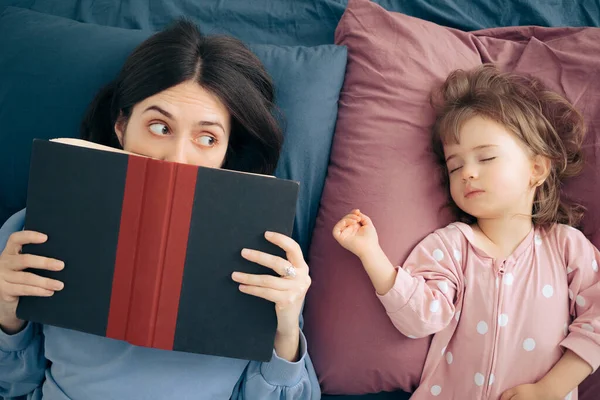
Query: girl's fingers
point(353, 216)
point(348, 231)
point(366, 220)
point(508, 395)
point(349, 220)
point(340, 226)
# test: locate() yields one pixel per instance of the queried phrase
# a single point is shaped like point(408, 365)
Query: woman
point(186, 98)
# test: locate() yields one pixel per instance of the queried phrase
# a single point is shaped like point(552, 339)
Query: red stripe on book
point(124, 268)
point(151, 251)
point(175, 256)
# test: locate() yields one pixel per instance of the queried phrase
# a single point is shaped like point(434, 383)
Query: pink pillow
point(382, 164)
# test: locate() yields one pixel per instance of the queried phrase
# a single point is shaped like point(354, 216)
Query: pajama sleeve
point(582, 260)
point(421, 302)
point(22, 361)
point(280, 379)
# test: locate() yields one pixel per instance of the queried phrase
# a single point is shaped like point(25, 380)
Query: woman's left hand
point(287, 290)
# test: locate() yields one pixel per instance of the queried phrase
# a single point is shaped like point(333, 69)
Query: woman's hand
point(356, 233)
point(15, 282)
point(287, 290)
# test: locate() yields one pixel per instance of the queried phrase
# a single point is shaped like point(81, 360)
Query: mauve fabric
point(381, 162)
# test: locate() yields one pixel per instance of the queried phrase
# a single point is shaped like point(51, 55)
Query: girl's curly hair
point(543, 120)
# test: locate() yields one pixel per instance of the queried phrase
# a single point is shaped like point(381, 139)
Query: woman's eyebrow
point(160, 110)
point(170, 116)
point(212, 123)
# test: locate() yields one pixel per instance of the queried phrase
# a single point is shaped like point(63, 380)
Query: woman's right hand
point(16, 282)
point(356, 233)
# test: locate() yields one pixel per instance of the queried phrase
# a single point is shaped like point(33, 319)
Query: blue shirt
point(53, 363)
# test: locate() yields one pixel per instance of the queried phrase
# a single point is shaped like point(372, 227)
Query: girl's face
point(184, 124)
point(492, 174)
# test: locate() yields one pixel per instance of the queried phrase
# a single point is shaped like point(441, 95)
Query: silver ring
point(290, 271)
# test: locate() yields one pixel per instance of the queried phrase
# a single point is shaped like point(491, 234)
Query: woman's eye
point(207, 141)
point(159, 129)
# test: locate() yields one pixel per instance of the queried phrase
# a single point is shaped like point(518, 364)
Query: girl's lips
point(473, 193)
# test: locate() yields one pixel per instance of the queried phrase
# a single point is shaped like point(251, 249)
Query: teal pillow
point(51, 68)
point(311, 22)
point(286, 22)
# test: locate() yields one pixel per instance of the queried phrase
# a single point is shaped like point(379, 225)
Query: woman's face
point(184, 124)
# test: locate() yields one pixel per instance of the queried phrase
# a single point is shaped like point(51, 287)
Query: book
point(149, 248)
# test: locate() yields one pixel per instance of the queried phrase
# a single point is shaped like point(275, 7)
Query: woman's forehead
point(188, 101)
point(189, 94)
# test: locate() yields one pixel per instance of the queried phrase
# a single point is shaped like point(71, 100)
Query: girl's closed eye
point(488, 159)
point(454, 168)
point(159, 129)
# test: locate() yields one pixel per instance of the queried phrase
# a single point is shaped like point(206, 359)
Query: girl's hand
point(356, 233)
point(15, 282)
point(534, 391)
point(287, 290)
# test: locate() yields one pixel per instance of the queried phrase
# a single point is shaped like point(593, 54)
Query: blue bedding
point(311, 22)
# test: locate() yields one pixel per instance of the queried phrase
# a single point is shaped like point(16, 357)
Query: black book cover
point(149, 247)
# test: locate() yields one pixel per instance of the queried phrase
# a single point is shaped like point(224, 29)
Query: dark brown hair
point(222, 65)
point(543, 120)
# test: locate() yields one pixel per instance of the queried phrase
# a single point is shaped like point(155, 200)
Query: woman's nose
point(176, 152)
